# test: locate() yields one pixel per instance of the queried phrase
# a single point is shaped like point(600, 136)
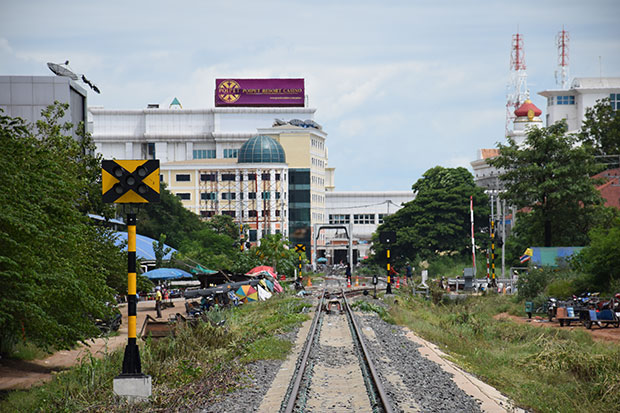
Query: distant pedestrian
point(408, 272)
point(348, 271)
point(158, 298)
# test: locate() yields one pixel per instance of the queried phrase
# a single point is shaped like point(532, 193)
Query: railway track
point(334, 369)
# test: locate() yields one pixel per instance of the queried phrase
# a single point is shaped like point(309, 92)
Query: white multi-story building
point(199, 150)
point(364, 212)
point(571, 104)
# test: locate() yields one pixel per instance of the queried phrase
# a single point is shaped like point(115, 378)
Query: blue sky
point(399, 86)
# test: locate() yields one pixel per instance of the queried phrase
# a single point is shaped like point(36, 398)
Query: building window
point(364, 219)
point(565, 100)
point(231, 153)
point(204, 153)
point(184, 196)
point(277, 177)
point(252, 213)
point(550, 101)
point(266, 195)
point(251, 177)
point(229, 213)
point(339, 219)
point(207, 177)
point(265, 177)
point(228, 177)
point(277, 212)
point(278, 195)
point(614, 99)
point(207, 214)
point(183, 177)
point(251, 195)
point(229, 195)
point(148, 150)
point(381, 218)
point(208, 196)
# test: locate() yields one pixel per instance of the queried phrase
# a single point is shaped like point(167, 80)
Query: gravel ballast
point(412, 382)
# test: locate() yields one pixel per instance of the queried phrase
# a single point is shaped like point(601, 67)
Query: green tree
point(438, 219)
point(54, 263)
point(549, 177)
point(211, 249)
point(160, 250)
point(601, 258)
point(168, 217)
point(601, 129)
point(223, 224)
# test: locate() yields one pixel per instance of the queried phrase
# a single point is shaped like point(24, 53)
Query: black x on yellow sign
point(300, 248)
point(130, 181)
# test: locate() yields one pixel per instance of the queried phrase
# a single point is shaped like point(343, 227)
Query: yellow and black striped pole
point(388, 289)
point(131, 361)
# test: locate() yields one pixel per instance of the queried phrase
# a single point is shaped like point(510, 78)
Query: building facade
point(364, 211)
point(26, 96)
point(200, 162)
point(571, 104)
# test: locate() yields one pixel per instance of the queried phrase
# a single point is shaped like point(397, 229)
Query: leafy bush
point(561, 289)
point(533, 283)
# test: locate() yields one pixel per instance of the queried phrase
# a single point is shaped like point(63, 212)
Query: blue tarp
point(549, 256)
point(167, 274)
point(144, 246)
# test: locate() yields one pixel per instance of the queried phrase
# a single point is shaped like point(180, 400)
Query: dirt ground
point(20, 374)
point(601, 334)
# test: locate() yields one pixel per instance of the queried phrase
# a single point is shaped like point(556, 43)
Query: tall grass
point(187, 370)
point(544, 369)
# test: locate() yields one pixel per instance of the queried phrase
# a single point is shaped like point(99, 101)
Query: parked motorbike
point(111, 324)
point(552, 308)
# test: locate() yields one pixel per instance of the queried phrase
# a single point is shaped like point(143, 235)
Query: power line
point(366, 206)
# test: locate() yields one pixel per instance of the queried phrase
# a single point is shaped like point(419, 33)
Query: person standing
point(348, 272)
point(408, 273)
point(158, 298)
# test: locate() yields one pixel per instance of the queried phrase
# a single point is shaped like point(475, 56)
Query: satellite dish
point(62, 71)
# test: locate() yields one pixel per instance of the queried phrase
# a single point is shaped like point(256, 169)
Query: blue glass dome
point(261, 149)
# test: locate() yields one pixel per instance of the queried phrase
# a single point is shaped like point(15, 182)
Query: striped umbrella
point(247, 293)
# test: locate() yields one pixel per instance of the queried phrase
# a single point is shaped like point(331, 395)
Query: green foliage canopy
point(601, 258)
point(549, 177)
point(438, 219)
point(601, 129)
point(53, 262)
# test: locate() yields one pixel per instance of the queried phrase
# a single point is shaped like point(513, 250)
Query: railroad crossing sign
point(300, 248)
point(130, 181)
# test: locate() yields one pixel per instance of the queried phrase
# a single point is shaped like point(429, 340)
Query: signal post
point(300, 249)
point(388, 238)
point(131, 182)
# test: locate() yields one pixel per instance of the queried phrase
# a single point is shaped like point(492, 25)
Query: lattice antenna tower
point(561, 74)
point(517, 88)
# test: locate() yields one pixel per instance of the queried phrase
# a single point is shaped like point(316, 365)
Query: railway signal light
point(130, 181)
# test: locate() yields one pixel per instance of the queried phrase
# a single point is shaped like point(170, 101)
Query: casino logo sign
point(229, 91)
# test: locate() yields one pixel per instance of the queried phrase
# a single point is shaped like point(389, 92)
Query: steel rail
point(387, 407)
point(304, 361)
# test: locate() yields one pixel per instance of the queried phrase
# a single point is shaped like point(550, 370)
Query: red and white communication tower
point(561, 75)
point(517, 88)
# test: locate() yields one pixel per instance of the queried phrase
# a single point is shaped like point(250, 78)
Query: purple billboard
point(259, 92)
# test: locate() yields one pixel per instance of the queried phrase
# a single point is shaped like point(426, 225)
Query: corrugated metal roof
point(144, 246)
